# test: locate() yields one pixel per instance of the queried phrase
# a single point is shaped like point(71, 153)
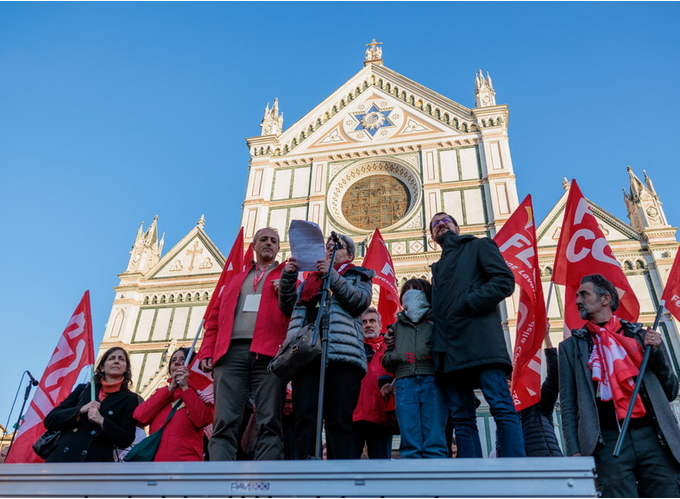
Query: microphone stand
point(322, 326)
point(21, 413)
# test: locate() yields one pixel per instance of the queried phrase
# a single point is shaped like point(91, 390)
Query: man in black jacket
point(470, 351)
point(596, 390)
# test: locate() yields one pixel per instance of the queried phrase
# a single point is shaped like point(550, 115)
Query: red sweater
point(270, 327)
point(183, 436)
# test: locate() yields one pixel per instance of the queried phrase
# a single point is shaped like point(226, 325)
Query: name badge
point(252, 303)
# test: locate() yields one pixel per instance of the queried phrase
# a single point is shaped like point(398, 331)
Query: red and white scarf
point(312, 286)
point(615, 361)
point(375, 343)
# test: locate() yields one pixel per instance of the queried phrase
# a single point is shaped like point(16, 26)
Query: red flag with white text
point(74, 351)
point(582, 250)
point(671, 293)
point(518, 245)
point(379, 260)
point(233, 266)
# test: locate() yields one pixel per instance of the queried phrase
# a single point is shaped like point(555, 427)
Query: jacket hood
point(363, 271)
point(429, 316)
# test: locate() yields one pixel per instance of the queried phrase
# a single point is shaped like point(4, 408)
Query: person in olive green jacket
point(420, 407)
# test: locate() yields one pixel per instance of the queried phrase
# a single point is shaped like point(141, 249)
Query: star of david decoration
point(373, 120)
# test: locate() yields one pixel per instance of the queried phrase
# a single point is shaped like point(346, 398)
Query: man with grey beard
point(599, 364)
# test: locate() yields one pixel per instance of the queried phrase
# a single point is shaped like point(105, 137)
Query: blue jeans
point(460, 397)
point(421, 413)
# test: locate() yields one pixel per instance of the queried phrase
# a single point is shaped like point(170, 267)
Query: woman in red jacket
point(183, 436)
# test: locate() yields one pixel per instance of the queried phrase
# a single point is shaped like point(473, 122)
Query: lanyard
point(258, 276)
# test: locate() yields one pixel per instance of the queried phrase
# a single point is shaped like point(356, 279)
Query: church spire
point(485, 95)
point(146, 250)
point(643, 204)
point(272, 123)
point(373, 53)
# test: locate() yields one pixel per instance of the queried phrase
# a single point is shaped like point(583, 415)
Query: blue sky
point(111, 113)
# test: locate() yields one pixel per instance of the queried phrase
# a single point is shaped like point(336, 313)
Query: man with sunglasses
point(468, 282)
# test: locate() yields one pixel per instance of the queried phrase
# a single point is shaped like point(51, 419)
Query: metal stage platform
point(520, 477)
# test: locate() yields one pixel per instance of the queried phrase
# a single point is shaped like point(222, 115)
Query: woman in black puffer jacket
point(537, 420)
point(351, 293)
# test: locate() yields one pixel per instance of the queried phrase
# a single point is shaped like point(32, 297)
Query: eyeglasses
point(437, 223)
point(330, 246)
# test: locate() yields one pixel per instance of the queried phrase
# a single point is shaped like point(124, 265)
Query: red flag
point(671, 293)
point(378, 259)
point(201, 382)
point(582, 250)
point(517, 242)
point(74, 351)
point(249, 258)
point(233, 266)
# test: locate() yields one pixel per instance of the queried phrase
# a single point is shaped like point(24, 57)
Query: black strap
point(172, 413)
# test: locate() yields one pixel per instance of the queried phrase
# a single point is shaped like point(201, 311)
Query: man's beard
point(583, 312)
point(439, 238)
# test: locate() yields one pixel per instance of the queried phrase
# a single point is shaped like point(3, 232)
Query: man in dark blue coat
point(470, 351)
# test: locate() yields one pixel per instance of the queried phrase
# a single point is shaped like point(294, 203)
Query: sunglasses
point(330, 246)
point(441, 221)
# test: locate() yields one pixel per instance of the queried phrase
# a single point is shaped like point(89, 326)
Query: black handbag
point(146, 449)
point(295, 353)
point(46, 444)
point(49, 440)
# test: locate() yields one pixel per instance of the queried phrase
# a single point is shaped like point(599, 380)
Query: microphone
point(34, 382)
point(334, 237)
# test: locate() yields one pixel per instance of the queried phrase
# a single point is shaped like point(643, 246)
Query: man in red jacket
point(242, 334)
point(372, 426)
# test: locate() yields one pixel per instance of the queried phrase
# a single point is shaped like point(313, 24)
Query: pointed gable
point(615, 230)
point(377, 105)
point(194, 255)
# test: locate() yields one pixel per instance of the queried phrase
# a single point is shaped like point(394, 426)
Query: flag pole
point(92, 382)
point(638, 384)
point(193, 343)
point(88, 318)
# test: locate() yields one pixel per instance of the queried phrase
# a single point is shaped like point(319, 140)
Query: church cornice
point(146, 286)
point(263, 140)
point(372, 151)
point(492, 117)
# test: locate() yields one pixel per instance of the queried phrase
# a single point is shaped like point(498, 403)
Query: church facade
point(382, 151)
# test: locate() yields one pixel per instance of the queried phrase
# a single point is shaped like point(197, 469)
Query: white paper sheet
point(306, 244)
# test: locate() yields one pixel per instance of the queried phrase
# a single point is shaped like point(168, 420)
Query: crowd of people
point(417, 380)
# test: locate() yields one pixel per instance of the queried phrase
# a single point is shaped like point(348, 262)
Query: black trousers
point(643, 469)
point(343, 383)
point(377, 438)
